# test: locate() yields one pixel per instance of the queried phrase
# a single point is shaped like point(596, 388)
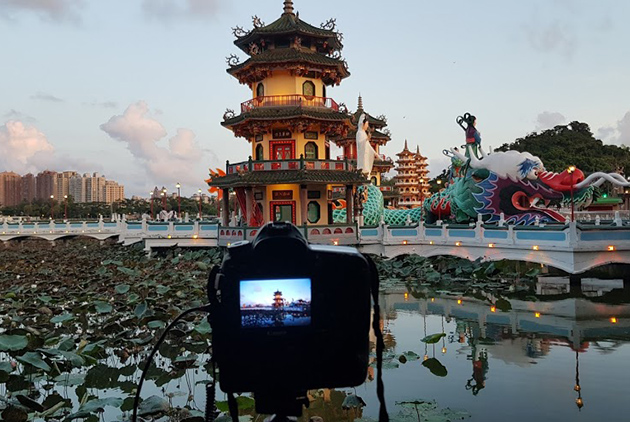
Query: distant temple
point(412, 181)
point(289, 123)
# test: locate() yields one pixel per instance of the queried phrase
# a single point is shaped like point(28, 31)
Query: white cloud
point(141, 133)
point(548, 120)
point(619, 133)
point(172, 10)
point(50, 10)
point(23, 149)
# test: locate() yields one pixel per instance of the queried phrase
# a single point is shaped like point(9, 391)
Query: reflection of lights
point(610, 248)
point(459, 301)
point(577, 387)
point(491, 245)
point(458, 243)
point(493, 308)
point(613, 320)
point(537, 314)
point(535, 247)
point(443, 350)
point(579, 402)
point(426, 357)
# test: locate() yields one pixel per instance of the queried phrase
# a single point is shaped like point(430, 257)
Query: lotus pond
point(78, 318)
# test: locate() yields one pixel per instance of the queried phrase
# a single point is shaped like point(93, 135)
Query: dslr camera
point(287, 317)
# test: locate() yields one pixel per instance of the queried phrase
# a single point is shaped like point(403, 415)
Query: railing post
point(249, 163)
point(301, 161)
point(227, 165)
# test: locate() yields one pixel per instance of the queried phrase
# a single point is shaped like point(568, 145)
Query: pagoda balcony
point(295, 100)
point(295, 164)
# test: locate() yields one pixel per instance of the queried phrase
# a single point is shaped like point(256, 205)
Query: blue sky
point(255, 292)
point(136, 89)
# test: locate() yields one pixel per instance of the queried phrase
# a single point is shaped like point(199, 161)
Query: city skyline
point(142, 100)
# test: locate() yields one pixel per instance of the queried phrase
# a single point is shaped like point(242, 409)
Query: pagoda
point(378, 139)
point(289, 122)
point(423, 175)
point(407, 179)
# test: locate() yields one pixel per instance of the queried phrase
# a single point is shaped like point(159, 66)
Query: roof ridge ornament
point(288, 7)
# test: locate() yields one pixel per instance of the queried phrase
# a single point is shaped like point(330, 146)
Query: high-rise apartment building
point(46, 184)
point(29, 191)
point(113, 192)
point(63, 184)
point(10, 189)
point(77, 188)
point(94, 188)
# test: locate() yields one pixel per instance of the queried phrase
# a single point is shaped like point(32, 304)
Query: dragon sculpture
point(509, 186)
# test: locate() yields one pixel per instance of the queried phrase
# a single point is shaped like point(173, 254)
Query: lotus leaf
point(122, 289)
point(34, 359)
point(436, 367)
point(152, 406)
point(62, 318)
point(433, 338)
point(12, 343)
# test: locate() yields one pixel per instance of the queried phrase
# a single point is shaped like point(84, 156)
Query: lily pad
point(352, 401)
point(203, 327)
point(140, 310)
point(12, 343)
point(62, 318)
point(103, 307)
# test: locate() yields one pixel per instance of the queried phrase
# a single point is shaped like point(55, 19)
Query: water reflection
point(524, 359)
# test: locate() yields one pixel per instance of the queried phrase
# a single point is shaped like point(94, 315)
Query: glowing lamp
point(610, 248)
point(458, 243)
point(443, 350)
point(571, 169)
point(431, 243)
point(535, 247)
point(459, 301)
point(613, 320)
point(537, 314)
point(493, 308)
point(404, 242)
point(577, 387)
point(579, 402)
point(195, 236)
point(491, 245)
point(406, 295)
point(426, 357)
point(229, 244)
point(169, 236)
point(432, 299)
point(336, 242)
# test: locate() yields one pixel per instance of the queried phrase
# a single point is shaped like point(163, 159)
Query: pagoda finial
point(406, 145)
point(288, 7)
point(417, 149)
point(360, 104)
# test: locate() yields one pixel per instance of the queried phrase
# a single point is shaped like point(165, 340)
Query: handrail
point(293, 100)
point(292, 164)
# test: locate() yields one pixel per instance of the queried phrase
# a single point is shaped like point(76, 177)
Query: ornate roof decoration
point(232, 60)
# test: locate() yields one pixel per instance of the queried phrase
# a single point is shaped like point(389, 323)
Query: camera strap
point(380, 344)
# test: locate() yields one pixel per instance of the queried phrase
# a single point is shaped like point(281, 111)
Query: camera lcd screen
point(275, 303)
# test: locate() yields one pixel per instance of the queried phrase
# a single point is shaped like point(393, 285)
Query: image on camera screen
point(275, 303)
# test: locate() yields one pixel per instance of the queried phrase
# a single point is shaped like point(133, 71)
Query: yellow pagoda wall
point(295, 189)
point(283, 83)
point(300, 143)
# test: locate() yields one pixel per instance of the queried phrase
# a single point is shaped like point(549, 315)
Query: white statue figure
point(365, 152)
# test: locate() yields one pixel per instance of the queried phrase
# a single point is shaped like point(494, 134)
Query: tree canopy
point(572, 144)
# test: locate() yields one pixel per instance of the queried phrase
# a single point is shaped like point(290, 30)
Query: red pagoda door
point(283, 151)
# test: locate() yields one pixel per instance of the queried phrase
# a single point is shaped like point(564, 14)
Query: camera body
point(288, 316)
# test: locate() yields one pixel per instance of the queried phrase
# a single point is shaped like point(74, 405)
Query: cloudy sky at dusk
point(136, 89)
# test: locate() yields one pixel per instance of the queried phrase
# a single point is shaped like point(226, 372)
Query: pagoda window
point(310, 151)
point(313, 212)
point(260, 90)
point(308, 89)
point(259, 153)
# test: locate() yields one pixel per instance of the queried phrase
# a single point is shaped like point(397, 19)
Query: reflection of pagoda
point(288, 121)
point(278, 302)
point(378, 138)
